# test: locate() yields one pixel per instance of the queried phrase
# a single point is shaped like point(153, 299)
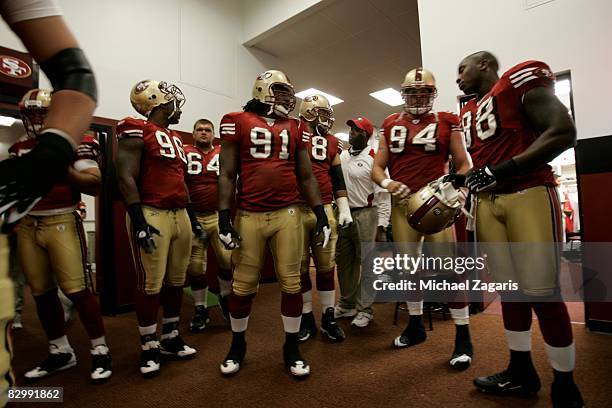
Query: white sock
point(144, 330)
point(327, 299)
point(291, 324)
point(519, 340)
point(100, 341)
point(239, 325)
point(415, 308)
point(307, 302)
point(562, 358)
point(200, 297)
point(225, 287)
point(461, 316)
point(61, 344)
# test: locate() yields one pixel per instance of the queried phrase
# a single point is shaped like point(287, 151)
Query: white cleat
point(229, 367)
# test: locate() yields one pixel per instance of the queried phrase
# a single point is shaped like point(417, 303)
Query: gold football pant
point(324, 258)
point(197, 264)
point(518, 232)
point(53, 251)
point(282, 230)
point(7, 308)
point(168, 263)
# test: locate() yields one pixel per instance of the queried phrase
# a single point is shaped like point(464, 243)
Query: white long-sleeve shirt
point(362, 191)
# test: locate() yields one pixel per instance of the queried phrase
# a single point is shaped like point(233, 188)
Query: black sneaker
point(308, 327)
point(56, 361)
point(177, 348)
point(464, 351)
point(505, 382)
point(101, 369)
point(294, 362)
point(235, 356)
point(224, 304)
point(150, 361)
point(200, 319)
point(413, 334)
point(565, 395)
point(330, 328)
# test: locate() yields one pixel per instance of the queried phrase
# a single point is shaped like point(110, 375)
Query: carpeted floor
point(363, 371)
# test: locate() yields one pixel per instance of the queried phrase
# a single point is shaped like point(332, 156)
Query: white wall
point(260, 16)
point(567, 34)
point(195, 44)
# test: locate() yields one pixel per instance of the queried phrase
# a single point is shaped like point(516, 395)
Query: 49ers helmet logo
point(14, 67)
point(141, 86)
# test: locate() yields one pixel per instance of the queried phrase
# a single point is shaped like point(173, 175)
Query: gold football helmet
point(34, 107)
point(434, 207)
point(273, 88)
point(148, 94)
point(316, 108)
point(419, 91)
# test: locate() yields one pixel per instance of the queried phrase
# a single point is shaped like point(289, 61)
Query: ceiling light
point(389, 96)
point(6, 120)
point(333, 100)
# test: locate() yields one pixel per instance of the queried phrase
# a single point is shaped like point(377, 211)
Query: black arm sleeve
point(69, 69)
point(337, 178)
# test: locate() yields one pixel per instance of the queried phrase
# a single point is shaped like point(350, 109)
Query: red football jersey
point(268, 148)
point(496, 128)
point(62, 195)
point(322, 151)
point(202, 176)
point(418, 148)
point(162, 169)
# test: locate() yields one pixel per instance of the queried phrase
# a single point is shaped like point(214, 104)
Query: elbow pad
point(69, 69)
point(337, 178)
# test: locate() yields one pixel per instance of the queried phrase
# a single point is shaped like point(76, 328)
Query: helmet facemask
point(282, 99)
point(324, 120)
point(175, 95)
point(419, 99)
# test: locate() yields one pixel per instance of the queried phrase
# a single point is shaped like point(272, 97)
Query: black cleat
point(464, 351)
point(565, 395)
point(200, 319)
point(150, 362)
point(413, 334)
point(308, 327)
point(330, 328)
point(235, 356)
point(101, 368)
point(527, 383)
point(177, 348)
point(56, 361)
point(294, 362)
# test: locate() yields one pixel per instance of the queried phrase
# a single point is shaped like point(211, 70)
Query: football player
point(41, 28)
point(513, 128)
point(151, 171)
point(52, 249)
point(269, 153)
point(324, 150)
point(415, 146)
point(201, 178)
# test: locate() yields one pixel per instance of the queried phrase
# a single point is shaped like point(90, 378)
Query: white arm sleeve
point(382, 200)
point(14, 11)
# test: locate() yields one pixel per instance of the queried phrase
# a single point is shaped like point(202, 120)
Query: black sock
point(563, 377)
point(291, 338)
point(520, 362)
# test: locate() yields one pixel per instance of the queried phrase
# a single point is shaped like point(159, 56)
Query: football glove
point(457, 179)
point(143, 231)
point(487, 177)
point(323, 231)
point(199, 232)
point(345, 218)
point(227, 234)
point(24, 180)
